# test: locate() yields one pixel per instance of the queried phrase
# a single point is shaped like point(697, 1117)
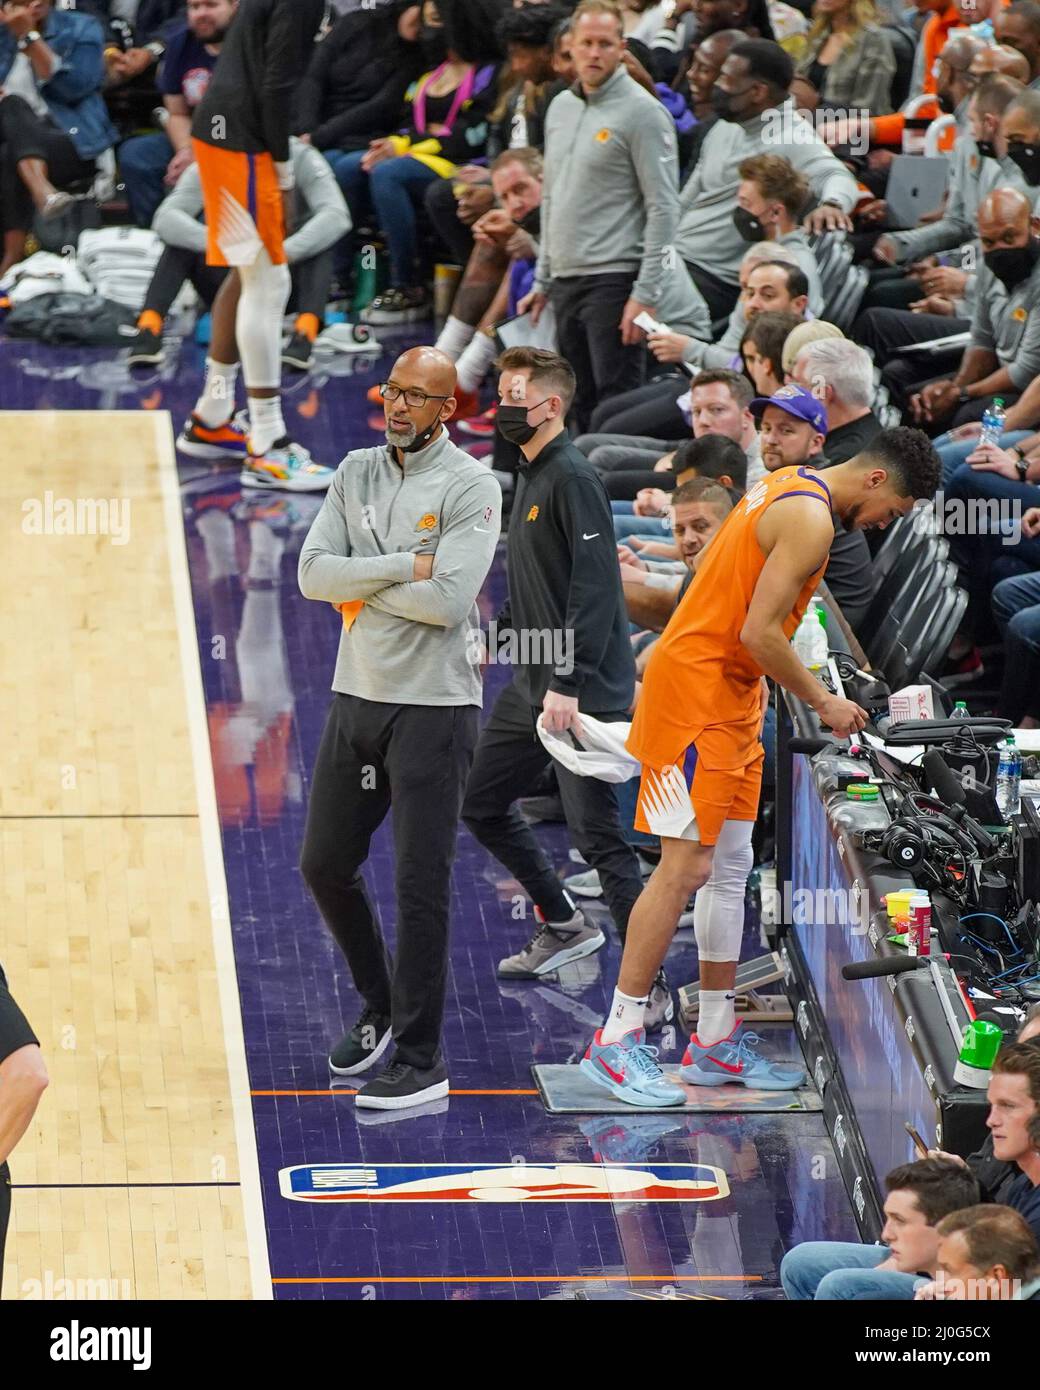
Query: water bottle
point(960, 711)
point(819, 647)
point(1009, 779)
point(992, 423)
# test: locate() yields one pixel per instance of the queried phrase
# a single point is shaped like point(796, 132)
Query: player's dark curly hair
point(910, 457)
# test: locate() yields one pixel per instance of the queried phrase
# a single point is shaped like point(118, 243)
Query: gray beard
point(401, 439)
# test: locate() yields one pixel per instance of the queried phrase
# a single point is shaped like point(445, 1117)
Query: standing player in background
point(240, 136)
point(697, 732)
point(23, 1080)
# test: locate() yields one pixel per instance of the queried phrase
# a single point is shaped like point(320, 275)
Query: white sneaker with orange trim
point(286, 467)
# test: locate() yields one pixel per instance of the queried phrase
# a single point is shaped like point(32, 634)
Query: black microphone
point(808, 745)
point(891, 965)
point(947, 787)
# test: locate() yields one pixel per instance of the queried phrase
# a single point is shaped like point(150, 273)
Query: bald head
point(427, 368)
point(422, 387)
point(1007, 61)
point(959, 51)
point(1004, 220)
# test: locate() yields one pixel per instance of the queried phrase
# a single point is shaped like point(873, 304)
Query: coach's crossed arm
point(460, 563)
point(327, 570)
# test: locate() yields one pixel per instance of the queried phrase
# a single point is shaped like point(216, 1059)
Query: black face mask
point(512, 423)
point(749, 227)
point(986, 149)
point(434, 44)
point(1013, 264)
point(1027, 157)
point(531, 222)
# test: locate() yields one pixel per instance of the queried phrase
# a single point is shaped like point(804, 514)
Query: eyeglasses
point(413, 397)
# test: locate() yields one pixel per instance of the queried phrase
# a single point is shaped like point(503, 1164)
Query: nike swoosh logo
point(589, 538)
point(617, 1076)
point(726, 1066)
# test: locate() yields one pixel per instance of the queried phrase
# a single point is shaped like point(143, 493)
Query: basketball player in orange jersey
point(240, 139)
point(697, 733)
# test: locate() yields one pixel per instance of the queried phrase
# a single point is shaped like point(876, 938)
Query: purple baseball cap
point(797, 401)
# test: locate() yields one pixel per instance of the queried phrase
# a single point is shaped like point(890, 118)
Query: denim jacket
point(73, 94)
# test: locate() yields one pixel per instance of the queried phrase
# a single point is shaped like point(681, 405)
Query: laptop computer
point(916, 184)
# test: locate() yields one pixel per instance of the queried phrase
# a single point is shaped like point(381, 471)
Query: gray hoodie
point(414, 641)
point(610, 200)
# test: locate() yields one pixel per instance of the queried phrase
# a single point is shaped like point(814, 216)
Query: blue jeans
point(656, 528)
point(386, 194)
point(1016, 607)
point(830, 1269)
point(143, 160)
point(954, 452)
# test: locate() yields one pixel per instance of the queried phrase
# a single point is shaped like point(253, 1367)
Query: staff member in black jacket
point(570, 641)
point(23, 1080)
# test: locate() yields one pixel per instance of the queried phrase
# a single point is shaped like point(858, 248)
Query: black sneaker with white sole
point(400, 1086)
point(297, 353)
point(363, 1046)
point(146, 350)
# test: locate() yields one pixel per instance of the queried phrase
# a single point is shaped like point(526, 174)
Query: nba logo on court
point(503, 1182)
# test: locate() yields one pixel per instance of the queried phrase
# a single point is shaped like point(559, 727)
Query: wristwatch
point(1021, 464)
point(33, 36)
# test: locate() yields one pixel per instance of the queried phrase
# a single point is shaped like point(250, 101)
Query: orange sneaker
point(206, 442)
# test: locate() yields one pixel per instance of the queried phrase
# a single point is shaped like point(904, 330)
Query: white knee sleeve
point(258, 327)
point(718, 910)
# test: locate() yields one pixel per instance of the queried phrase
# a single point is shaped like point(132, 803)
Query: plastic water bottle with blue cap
point(1009, 779)
point(992, 423)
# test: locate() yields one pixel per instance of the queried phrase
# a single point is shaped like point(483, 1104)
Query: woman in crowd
point(848, 57)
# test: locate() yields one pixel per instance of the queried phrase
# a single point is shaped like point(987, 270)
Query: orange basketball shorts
point(689, 801)
point(243, 205)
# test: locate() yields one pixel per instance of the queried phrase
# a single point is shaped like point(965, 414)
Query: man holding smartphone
point(23, 1080)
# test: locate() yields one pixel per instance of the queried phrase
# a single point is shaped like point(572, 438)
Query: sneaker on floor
point(400, 1086)
point(628, 1069)
point(286, 467)
point(399, 306)
point(222, 442)
point(962, 670)
point(553, 944)
point(735, 1059)
point(363, 1046)
point(481, 426)
point(297, 353)
point(586, 885)
point(146, 350)
point(660, 1007)
point(467, 403)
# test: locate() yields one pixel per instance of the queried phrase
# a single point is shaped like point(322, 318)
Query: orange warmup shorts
point(688, 801)
point(243, 205)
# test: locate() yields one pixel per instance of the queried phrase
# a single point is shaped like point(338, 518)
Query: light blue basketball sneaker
point(735, 1059)
point(628, 1068)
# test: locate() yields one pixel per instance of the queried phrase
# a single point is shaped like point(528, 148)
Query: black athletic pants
point(509, 758)
point(24, 135)
point(5, 1214)
point(588, 330)
point(311, 279)
point(410, 760)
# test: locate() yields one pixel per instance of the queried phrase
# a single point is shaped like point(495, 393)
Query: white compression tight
point(258, 327)
point(718, 909)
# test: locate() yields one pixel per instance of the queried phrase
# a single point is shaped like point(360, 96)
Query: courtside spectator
point(985, 1254)
point(53, 120)
point(840, 375)
point(152, 164)
point(919, 1195)
point(848, 57)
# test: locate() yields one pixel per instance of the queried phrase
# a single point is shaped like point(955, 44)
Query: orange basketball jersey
point(701, 685)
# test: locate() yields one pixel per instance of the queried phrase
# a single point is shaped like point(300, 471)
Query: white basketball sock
point(454, 336)
point(474, 362)
point(717, 1016)
point(626, 1014)
point(266, 425)
point(217, 402)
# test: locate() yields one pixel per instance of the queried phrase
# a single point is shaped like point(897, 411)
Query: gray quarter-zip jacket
point(610, 200)
point(414, 642)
